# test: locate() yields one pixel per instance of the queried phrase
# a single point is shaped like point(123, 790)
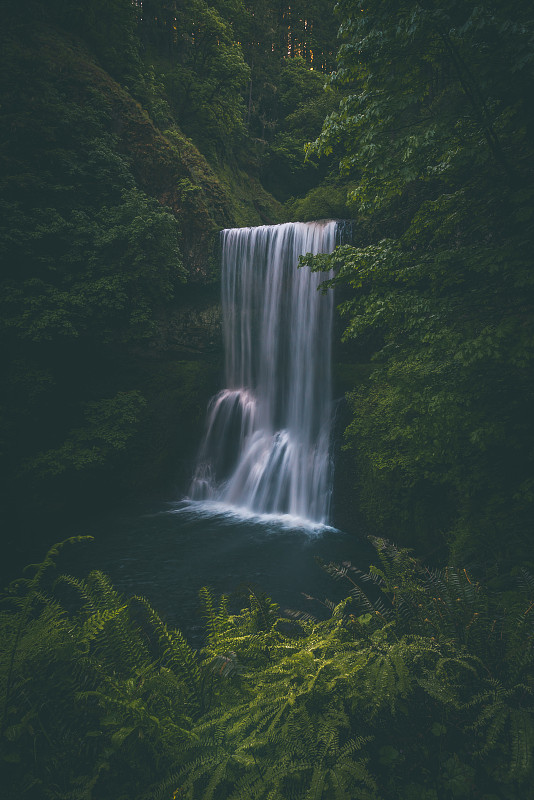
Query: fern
point(24, 604)
point(415, 660)
point(109, 680)
point(176, 653)
point(216, 617)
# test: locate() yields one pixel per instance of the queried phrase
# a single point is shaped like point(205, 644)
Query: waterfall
point(267, 443)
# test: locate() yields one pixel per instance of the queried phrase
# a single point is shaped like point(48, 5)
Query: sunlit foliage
point(419, 685)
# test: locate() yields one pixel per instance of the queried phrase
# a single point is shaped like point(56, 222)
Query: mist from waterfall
point(266, 448)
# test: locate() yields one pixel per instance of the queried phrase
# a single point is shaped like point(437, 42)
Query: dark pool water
point(168, 551)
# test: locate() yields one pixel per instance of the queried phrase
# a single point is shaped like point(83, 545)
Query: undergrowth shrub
point(418, 687)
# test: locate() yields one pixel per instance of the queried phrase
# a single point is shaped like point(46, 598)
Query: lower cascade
point(266, 448)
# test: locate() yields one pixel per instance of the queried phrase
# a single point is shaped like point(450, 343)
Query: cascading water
point(267, 444)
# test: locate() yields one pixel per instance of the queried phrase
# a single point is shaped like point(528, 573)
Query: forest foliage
point(88, 257)
point(436, 129)
point(418, 686)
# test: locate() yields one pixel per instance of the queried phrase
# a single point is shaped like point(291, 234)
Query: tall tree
point(437, 127)
point(200, 64)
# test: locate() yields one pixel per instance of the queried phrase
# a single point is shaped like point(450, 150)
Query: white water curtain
point(267, 442)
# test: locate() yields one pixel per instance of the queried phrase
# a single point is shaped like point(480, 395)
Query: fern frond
point(522, 741)
point(176, 652)
point(526, 583)
point(32, 587)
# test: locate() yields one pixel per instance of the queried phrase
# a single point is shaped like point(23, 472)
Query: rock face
point(191, 331)
point(196, 331)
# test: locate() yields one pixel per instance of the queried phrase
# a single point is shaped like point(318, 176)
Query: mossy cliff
point(110, 315)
